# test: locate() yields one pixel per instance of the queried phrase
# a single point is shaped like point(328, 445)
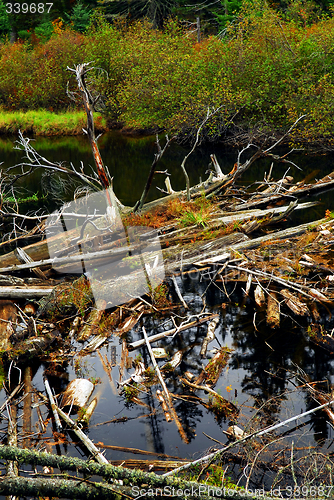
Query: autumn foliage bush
point(265, 72)
point(33, 78)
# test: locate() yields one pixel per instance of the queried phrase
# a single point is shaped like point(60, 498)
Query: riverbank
point(47, 123)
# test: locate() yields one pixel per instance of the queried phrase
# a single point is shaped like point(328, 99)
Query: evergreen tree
point(80, 16)
point(4, 20)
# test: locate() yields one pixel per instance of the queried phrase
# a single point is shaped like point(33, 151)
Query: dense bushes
point(35, 78)
point(262, 75)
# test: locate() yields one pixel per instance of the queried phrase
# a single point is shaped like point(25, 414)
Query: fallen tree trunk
point(173, 331)
point(62, 488)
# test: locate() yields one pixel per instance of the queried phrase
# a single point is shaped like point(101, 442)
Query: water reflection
point(262, 363)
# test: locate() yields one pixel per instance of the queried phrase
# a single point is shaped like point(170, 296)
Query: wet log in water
point(77, 393)
point(273, 310)
point(8, 319)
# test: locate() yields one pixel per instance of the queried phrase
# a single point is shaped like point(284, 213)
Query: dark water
point(262, 362)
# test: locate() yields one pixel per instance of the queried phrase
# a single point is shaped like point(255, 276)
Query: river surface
point(262, 362)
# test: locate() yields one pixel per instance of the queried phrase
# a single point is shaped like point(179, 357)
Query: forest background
point(263, 64)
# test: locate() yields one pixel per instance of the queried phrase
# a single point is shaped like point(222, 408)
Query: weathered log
point(24, 257)
point(174, 362)
point(273, 310)
point(148, 465)
point(164, 406)
point(91, 324)
point(108, 472)
point(82, 436)
point(24, 293)
point(179, 294)
point(159, 336)
point(60, 488)
point(259, 296)
point(213, 369)
point(27, 405)
point(24, 351)
point(53, 405)
point(294, 303)
point(227, 405)
point(8, 319)
point(88, 412)
point(77, 393)
point(210, 335)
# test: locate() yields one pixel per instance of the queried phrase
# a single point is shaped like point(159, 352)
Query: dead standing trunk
point(81, 71)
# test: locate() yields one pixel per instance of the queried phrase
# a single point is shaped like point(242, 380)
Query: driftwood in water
point(148, 465)
point(52, 404)
point(26, 427)
point(210, 335)
point(273, 310)
point(8, 319)
point(77, 393)
point(82, 436)
point(294, 303)
point(24, 351)
point(88, 412)
point(227, 406)
point(174, 362)
point(167, 396)
point(91, 324)
point(213, 369)
point(164, 406)
point(259, 296)
point(173, 331)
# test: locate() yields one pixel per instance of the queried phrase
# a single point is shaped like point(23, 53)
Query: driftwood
point(24, 293)
point(24, 351)
point(88, 412)
point(227, 405)
point(166, 393)
point(173, 331)
point(273, 310)
point(174, 362)
point(92, 322)
point(82, 436)
point(8, 319)
point(294, 303)
point(259, 296)
point(210, 335)
point(213, 369)
point(164, 405)
point(77, 393)
point(24, 257)
point(27, 405)
point(53, 405)
point(148, 465)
